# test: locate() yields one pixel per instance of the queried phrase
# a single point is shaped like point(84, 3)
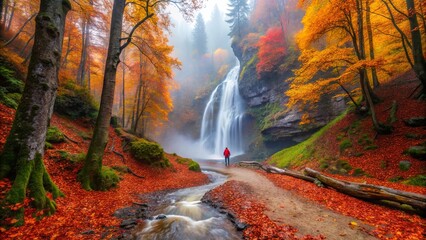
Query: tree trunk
point(123, 90)
point(22, 156)
point(11, 16)
point(67, 52)
point(83, 57)
point(21, 53)
point(371, 44)
point(371, 192)
point(19, 31)
point(6, 9)
point(419, 59)
point(364, 191)
point(272, 169)
point(1, 14)
point(90, 175)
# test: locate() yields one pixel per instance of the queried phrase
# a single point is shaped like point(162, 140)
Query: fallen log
point(271, 169)
point(371, 192)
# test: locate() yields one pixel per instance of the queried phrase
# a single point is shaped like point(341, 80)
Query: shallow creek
point(182, 215)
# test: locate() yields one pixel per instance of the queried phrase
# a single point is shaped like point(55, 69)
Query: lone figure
point(226, 153)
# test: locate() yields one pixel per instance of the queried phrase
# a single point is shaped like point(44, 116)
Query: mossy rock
point(74, 158)
point(192, 165)
point(109, 178)
point(358, 172)
point(54, 135)
point(147, 152)
point(345, 144)
point(404, 165)
point(341, 164)
point(419, 180)
point(371, 147)
point(418, 152)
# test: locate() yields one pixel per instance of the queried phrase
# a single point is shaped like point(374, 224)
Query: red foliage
point(271, 50)
point(236, 196)
point(81, 210)
point(389, 223)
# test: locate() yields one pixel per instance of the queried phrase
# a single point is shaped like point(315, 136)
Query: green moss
point(75, 102)
point(340, 136)
point(54, 135)
point(404, 165)
point(114, 122)
point(149, 152)
point(365, 140)
point(121, 169)
point(11, 88)
point(74, 158)
point(396, 179)
point(345, 144)
point(359, 154)
point(48, 145)
point(419, 180)
point(341, 164)
point(418, 152)
point(194, 166)
point(109, 178)
point(371, 147)
point(358, 172)
point(302, 151)
point(248, 64)
point(324, 164)
point(265, 115)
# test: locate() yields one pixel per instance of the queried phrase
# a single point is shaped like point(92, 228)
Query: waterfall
point(222, 119)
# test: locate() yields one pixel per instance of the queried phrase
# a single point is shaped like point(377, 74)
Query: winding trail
point(288, 208)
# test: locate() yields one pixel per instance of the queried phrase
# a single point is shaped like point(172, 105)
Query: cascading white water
point(222, 119)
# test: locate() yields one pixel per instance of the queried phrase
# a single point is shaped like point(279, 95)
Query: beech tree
point(22, 156)
point(91, 174)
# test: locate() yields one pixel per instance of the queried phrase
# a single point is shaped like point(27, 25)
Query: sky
point(206, 11)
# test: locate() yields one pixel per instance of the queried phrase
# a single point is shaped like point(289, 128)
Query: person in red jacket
point(227, 154)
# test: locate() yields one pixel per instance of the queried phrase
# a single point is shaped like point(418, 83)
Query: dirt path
point(287, 208)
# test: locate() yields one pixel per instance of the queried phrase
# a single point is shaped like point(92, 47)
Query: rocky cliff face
point(277, 126)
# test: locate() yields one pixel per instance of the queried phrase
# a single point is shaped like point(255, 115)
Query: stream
point(181, 215)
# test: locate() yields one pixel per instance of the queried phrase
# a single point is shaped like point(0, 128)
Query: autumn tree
point(90, 175)
point(340, 24)
point(271, 51)
point(22, 156)
point(237, 17)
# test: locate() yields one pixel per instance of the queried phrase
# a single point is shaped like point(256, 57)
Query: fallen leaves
point(236, 197)
point(81, 210)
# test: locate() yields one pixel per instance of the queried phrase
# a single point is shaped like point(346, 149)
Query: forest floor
point(89, 215)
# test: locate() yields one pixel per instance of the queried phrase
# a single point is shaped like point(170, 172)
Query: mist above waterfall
point(222, 124)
